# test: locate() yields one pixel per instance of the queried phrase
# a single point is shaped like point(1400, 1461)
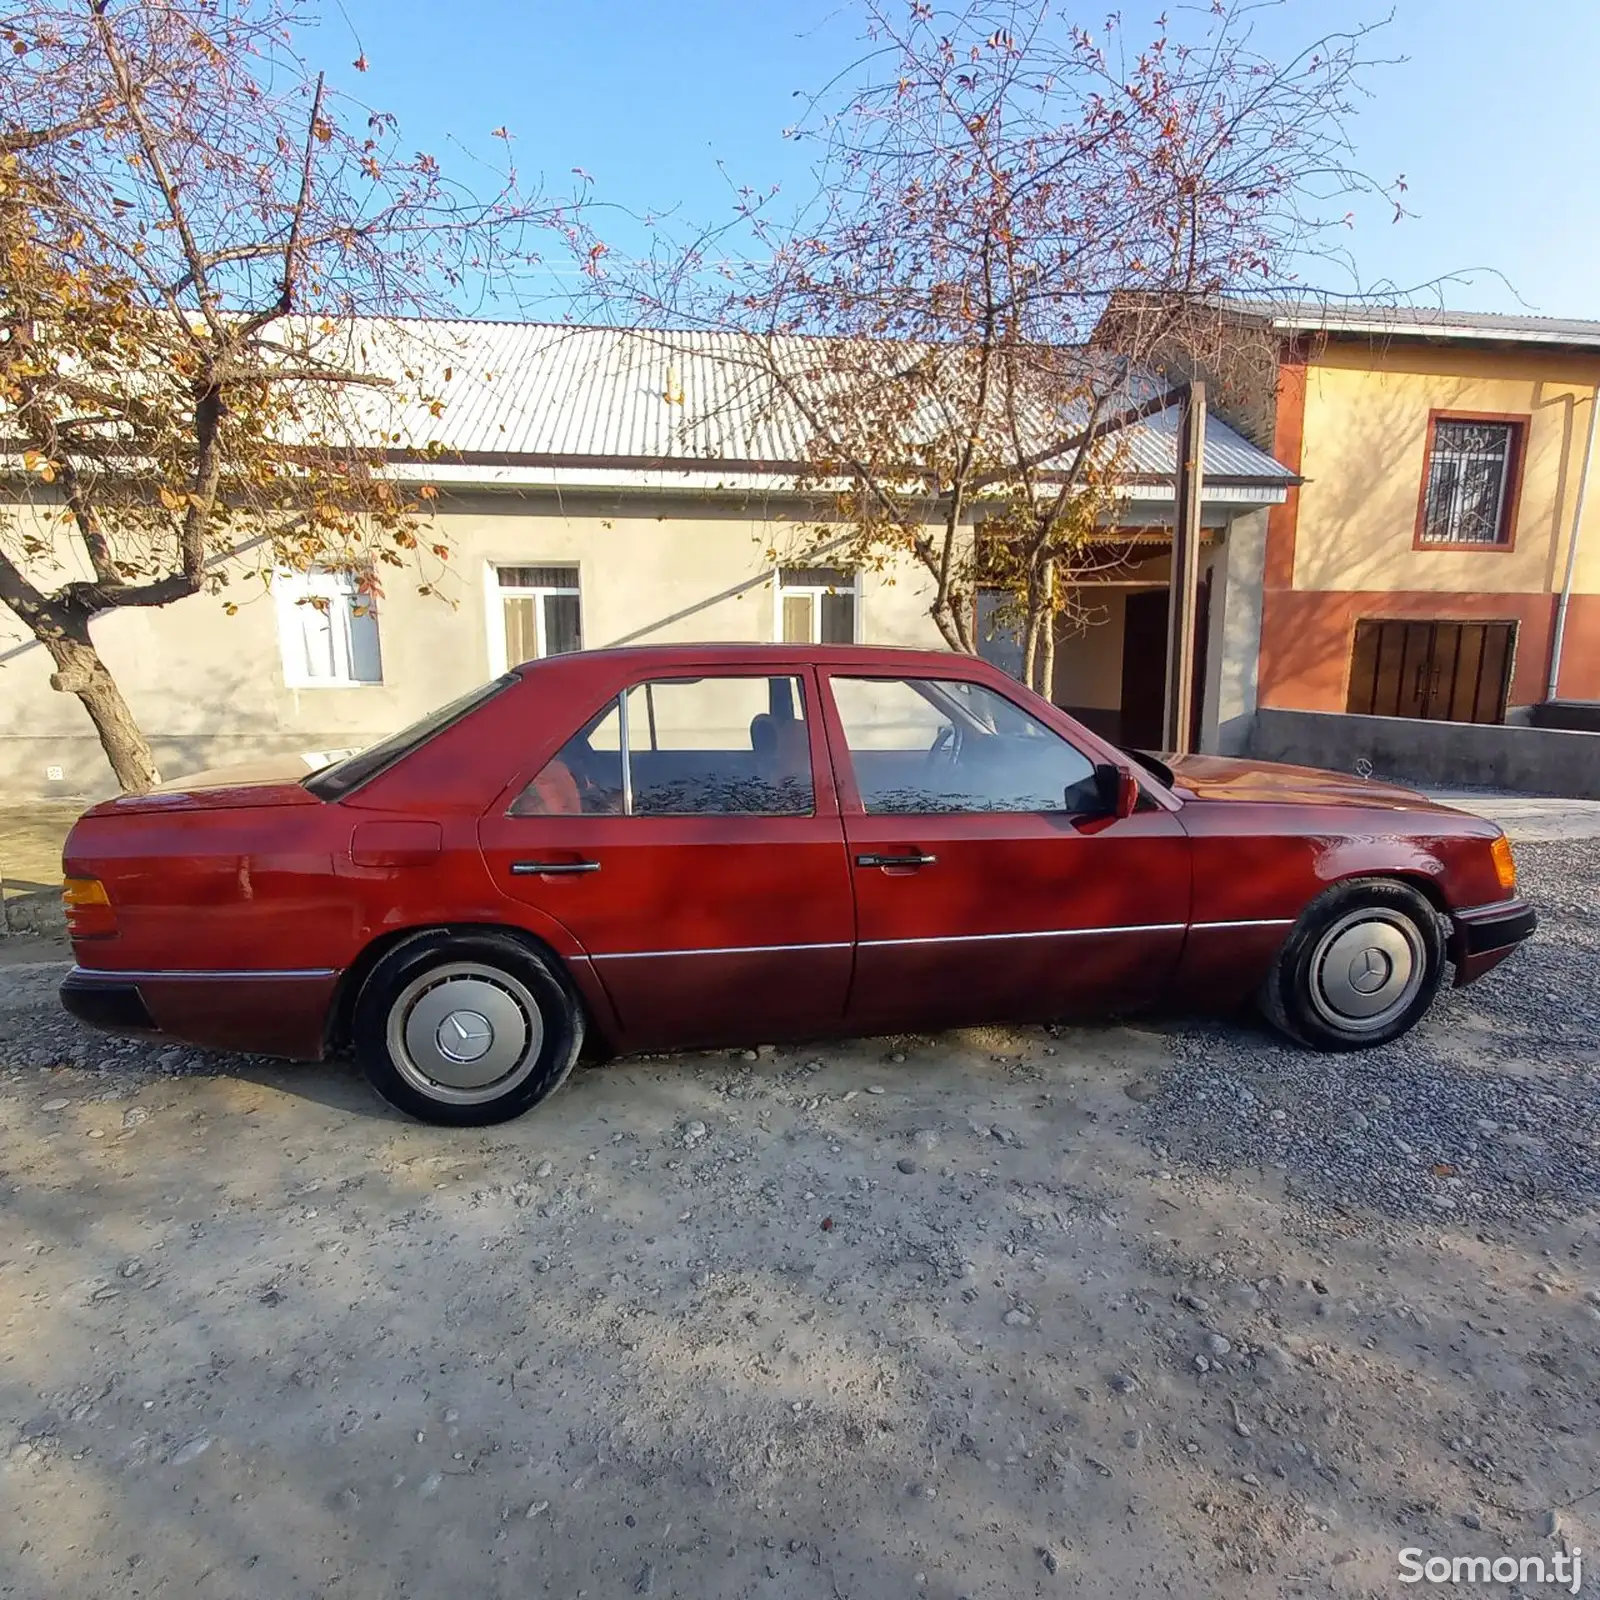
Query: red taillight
point(89, 913)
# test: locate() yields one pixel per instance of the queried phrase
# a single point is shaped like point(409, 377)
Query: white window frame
point(780, 590)
point(339, 590)
point(496, 593)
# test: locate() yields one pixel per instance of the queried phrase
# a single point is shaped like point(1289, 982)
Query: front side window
point(920, 745)
point(1470, 481)
point(327, 629)
point(674, 747)
point(816, 605)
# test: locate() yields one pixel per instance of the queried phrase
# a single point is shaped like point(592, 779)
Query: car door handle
point(918, 860)
point(532, 869)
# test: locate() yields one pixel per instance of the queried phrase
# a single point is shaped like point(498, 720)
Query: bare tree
point(993, 178)
point(193, 227)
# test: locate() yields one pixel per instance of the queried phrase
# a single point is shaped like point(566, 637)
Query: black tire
point(512, 1017)
point(1369, 931)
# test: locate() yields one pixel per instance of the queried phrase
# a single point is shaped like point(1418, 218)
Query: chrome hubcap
point(464, 1033)
point(1366, 969)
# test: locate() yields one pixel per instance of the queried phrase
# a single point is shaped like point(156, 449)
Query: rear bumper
point(106, 1003)
point(1484, 936)
point(281, 1013)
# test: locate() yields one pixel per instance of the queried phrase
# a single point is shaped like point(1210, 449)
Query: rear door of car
point(689, 838)
point(989, 882)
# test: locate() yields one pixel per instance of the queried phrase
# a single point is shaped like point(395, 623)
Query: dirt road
point(1133, 1311)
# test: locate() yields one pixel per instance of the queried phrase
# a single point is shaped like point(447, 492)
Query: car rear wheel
point(467, 1029)
point(1362, 965)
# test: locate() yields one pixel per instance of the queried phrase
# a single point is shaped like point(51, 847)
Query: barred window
point(1471, 475)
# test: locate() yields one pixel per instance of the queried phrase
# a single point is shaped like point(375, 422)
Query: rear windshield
point(335, 781)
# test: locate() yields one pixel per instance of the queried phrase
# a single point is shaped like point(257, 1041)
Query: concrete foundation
point(1545, 761)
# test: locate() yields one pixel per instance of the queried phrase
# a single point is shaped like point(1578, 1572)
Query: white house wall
point(208, 689)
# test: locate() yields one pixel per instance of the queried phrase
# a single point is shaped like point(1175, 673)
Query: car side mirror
point(1118, 789)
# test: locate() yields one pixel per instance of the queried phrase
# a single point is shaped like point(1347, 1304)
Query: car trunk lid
point(273, 781)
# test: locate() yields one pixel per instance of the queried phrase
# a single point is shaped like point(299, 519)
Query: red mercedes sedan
point(702, 844)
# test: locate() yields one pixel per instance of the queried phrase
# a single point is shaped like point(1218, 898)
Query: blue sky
point(1491, 118)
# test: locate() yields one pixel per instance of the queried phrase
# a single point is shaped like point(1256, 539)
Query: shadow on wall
point(229, 695)
point(74, 766)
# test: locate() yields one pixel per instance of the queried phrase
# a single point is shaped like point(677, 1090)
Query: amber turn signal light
point(88, 906)
point(1505, 868)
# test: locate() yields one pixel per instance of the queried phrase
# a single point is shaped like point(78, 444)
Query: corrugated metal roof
point(548, 394)
point(1429, 322)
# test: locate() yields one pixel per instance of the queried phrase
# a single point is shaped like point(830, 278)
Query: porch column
point(1185, 579)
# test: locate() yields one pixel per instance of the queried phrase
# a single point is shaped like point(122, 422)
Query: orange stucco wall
point(1353, 418)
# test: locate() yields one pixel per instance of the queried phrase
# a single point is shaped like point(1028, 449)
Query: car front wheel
point(1362, 965)
point(466, 1029)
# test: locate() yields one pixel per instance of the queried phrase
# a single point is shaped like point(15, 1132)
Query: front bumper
point(1484, 936)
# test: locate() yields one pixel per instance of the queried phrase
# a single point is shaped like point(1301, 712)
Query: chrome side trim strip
point(1043, 933)
point(246, 974)
point(1248, 922)
point(1492, 911)
point(943, 938)
point(720, 950)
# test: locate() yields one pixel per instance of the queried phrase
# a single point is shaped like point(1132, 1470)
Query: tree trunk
point(80, 671)
point(948, 621)
point(1047, 642)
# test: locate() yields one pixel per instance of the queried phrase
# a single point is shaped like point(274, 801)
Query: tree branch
point(151, 145)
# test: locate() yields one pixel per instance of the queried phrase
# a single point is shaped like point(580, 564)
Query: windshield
point(332, 783)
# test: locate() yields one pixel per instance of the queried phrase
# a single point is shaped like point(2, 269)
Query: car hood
point(271, 781)
point(1224, 778)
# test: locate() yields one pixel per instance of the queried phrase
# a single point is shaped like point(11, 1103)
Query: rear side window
point(332, 783)
point(731, 745)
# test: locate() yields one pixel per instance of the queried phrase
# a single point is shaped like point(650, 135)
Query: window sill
point(1503, 547)
point(326, 683)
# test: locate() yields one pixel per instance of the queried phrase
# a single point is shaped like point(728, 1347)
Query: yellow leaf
point(48, 472)
point(173, 502)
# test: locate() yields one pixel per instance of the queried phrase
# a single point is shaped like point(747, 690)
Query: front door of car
point(689, 838)
point(990, 881)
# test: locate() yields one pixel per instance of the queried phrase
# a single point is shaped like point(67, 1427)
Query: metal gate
point(1444, 671)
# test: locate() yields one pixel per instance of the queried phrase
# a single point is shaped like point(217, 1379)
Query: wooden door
point(1440, 671)
point(1144, 667)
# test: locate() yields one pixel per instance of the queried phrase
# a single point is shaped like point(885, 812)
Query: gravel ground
point(1154, 1310)
point(1489, 1112)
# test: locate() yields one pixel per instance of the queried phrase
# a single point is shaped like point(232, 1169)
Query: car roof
point(871, 657)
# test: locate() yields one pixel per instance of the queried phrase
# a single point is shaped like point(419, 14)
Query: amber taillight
point(89, 912)
point(1505, 867)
